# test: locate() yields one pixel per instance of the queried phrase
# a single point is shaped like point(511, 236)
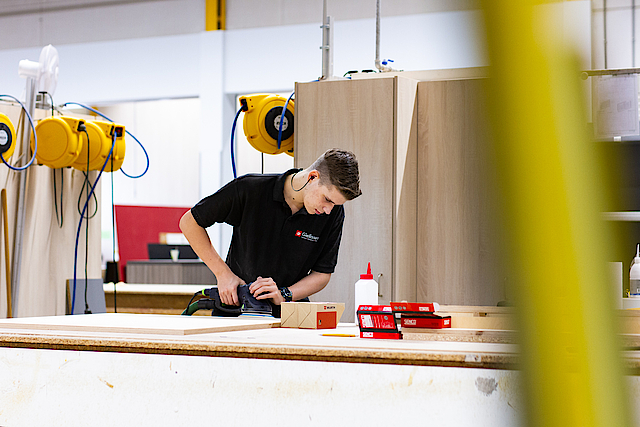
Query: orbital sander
point(210, 300)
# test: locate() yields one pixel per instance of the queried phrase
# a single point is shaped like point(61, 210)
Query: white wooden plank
point(140, 323)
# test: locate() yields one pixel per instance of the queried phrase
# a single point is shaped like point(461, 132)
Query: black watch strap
point(286, 294)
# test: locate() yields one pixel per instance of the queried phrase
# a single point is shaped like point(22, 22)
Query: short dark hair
point(341, 167)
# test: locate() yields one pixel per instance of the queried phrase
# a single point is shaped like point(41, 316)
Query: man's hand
point(265, 287)
point(228, 288)
point(198, 238)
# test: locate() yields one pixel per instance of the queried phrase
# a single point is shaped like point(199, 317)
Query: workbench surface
point(271, 343)
point(297, 376)
point(258, 338)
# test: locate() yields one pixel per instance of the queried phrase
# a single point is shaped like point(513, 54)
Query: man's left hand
point(266, 288)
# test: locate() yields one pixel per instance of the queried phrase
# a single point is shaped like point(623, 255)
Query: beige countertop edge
point(302, 352)
point(506, 361)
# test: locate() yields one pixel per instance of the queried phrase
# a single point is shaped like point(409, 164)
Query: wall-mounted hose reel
point(100, 138)
point(7, 137)
point(63, 143)
point(59, 142)
point(261, 123)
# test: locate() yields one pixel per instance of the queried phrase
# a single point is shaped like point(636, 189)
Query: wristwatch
point(286, 294)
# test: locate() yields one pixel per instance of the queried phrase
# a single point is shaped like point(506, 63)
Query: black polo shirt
point(267, 239)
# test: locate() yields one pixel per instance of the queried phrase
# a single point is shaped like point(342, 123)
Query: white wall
point(218, 66)
point(272, 59)
point(59, 22)
point(619, 35)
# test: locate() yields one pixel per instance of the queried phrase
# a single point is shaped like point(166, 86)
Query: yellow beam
point(215, 13)
point(552, 192)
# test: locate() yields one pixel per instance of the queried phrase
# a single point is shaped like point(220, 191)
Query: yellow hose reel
point(7, 137)
point(59, 142)
point(100, 139)
point(62, 143)
point(262, 120)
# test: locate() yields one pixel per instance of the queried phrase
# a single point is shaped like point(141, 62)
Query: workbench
point(268, 376)
point(142, 369)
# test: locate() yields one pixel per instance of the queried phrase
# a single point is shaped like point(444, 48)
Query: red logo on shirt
point(306, 236)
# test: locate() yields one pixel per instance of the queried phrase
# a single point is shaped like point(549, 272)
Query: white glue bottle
point(634, 274)
point(367, 291)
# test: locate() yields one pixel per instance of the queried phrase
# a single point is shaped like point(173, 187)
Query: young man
point(286, 229)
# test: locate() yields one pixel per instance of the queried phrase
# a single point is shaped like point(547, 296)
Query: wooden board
point(356, 116)
point(477, 322)
point(140, 323)
point(476, 310)
point(457, 250)
point(461, 335)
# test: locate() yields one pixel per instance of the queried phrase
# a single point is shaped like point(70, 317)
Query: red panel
point(431, 322)
point(381, 335)
point(139, 225)
point(326, 320)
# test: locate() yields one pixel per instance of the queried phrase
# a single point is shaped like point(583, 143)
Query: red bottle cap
point(367, 276)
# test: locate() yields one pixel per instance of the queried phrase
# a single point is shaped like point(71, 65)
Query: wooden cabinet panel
point(427, 219)
point(361, 116)
point(457, 249)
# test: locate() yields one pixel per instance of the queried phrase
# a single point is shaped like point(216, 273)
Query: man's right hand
point(228, 288)
point(198, 238)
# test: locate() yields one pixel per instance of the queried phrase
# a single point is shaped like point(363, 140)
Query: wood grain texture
point(405, 196)
point(356, 116)
point(457, 255)
point(375, 119)
point(461, 335)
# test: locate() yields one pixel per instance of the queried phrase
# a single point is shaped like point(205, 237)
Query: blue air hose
point(128, 133)
point(284, 110)
point(233, 132)
point(84, 209)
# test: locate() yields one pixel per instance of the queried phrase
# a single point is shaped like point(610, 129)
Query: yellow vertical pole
point(551, 187)
point(215, 13)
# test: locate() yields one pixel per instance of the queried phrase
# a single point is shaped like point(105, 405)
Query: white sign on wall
point(615, 106)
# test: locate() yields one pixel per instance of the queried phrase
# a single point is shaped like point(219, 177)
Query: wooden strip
point(460, 335)
point(476, 310)
point(474, 322)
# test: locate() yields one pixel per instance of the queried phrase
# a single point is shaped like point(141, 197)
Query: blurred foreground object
point(552, 193)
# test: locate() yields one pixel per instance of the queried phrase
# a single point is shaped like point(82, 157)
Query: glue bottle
point(366, 291)
point(634, 274)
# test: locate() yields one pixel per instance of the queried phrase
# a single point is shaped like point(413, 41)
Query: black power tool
point(210, 300)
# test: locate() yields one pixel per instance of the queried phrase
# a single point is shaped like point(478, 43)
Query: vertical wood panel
point(356, 116)
point(457, 250)
point(405, 220)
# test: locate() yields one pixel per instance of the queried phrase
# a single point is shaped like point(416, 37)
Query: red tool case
point(420, 315)
point(377, 321)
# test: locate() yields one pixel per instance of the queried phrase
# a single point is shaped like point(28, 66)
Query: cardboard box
point(319, 315)
point(311, 315)
point(288, 315)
